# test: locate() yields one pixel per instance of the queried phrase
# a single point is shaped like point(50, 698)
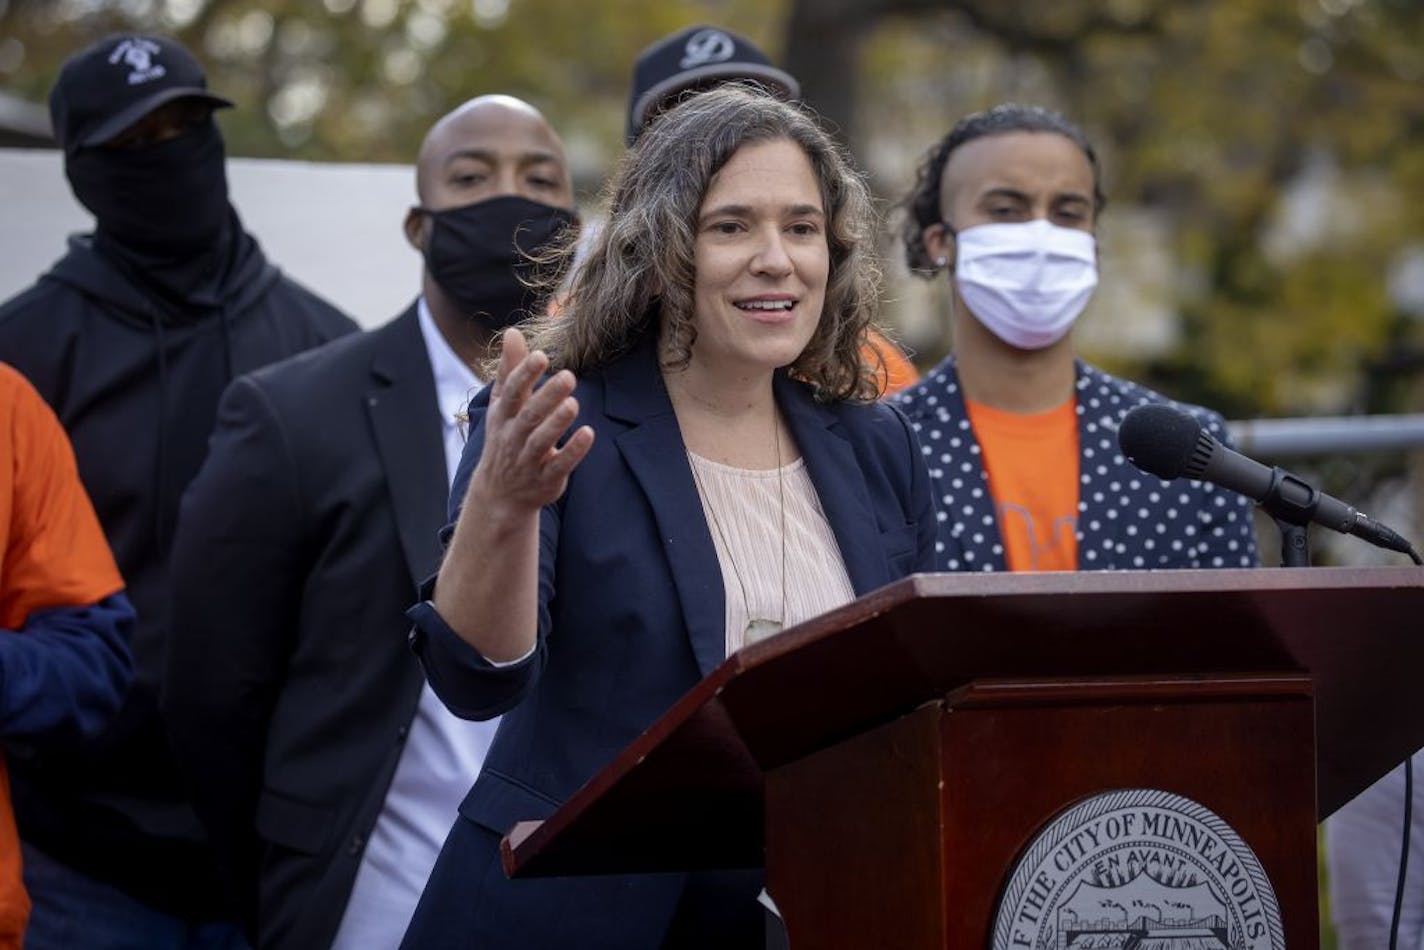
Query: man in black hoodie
point(131, 337)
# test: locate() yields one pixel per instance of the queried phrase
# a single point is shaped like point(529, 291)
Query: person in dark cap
point(131, 337)
point(699, 58)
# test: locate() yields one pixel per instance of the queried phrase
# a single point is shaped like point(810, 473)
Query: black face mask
point(479, 255)
point(168, 199)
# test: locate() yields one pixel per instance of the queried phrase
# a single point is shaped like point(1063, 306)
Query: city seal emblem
point(1138, 868)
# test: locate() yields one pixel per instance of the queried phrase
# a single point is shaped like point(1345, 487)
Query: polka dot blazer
point(1127, 519)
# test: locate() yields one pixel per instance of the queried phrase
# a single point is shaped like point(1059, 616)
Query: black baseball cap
point(696, 57)
point(109, 86)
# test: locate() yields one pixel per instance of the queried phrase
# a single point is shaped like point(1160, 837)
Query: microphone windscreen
point(1159, 439)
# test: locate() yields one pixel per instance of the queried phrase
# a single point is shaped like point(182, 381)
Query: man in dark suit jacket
point(324, 768)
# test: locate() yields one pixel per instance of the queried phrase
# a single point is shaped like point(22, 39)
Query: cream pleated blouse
point(744, 515)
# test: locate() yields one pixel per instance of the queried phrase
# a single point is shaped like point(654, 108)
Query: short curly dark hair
point(921, 206)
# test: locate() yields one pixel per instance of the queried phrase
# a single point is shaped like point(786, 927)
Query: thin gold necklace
point(758, 628)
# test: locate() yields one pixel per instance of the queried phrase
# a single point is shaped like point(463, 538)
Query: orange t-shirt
point(52, 554)
point(1032, 463)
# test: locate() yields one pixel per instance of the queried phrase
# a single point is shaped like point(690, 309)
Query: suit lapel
point(654, 451)
point(1096, 532)
point(840, 485)
point(973, 541)
point(405, 419)
point(635, 395)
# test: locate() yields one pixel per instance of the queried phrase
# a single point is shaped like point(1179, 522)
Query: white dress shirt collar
point(455, 385)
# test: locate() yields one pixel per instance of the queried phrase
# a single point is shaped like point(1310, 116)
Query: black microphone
point(1170, 443)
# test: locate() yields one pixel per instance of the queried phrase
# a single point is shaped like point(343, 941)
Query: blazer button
point(401, 733)
point(357, 843)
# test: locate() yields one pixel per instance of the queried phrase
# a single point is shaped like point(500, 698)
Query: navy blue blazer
point(631, 616)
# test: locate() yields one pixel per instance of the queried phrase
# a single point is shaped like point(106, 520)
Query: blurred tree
point(1282, 142)
point(1278, 143)
point(361, 80)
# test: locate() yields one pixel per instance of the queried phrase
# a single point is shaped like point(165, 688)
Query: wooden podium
point(898, 764)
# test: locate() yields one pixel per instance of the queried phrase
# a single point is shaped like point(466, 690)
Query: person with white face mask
point(1021, 435)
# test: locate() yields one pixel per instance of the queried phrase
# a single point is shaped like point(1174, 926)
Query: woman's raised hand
point(523, 466)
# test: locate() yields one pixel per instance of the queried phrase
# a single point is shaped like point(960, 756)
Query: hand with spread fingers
point(522, 466)
point(521, 469)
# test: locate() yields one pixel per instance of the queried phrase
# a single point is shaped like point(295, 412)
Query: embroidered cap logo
point(707, 46)
point(137, 53)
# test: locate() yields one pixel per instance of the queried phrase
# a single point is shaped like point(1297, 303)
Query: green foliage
point(1216, 117)
point(1212, 115)
point(362, 80)
point(1327, 931)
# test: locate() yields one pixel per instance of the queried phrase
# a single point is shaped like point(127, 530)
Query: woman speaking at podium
point(689, 459)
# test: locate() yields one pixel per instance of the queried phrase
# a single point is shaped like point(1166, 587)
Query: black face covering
point(479, 255)
point(166, 199)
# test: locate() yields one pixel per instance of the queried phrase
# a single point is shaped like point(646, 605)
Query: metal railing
point(1327, 435)
point(1375, 463)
